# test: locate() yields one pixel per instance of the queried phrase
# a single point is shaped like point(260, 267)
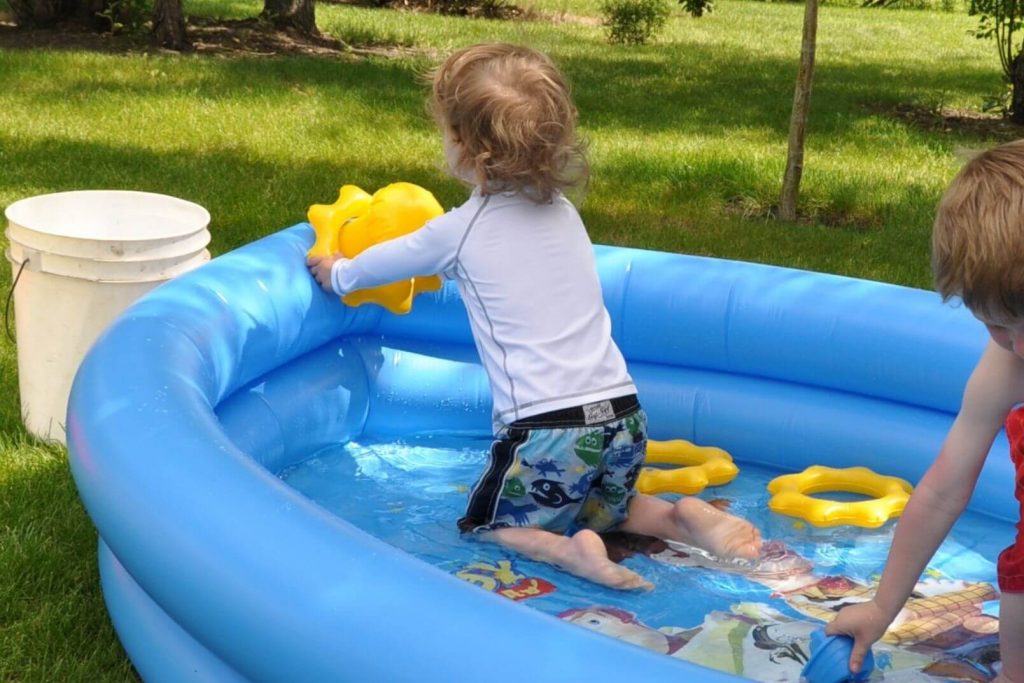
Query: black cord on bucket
point(7, 306)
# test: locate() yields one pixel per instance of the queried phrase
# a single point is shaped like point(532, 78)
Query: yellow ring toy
point(702, 466)
point(888, 496)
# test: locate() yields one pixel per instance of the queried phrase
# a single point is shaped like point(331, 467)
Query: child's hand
point(865, 623)
point(320, 269)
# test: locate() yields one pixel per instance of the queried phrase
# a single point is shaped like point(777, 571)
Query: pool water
point(753, 620)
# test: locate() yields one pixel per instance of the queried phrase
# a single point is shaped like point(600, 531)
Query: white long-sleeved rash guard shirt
point(529, 281)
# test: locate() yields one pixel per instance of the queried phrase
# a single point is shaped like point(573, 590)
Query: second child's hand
point(865, 623)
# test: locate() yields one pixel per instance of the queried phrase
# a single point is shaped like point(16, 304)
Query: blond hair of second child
point(570, 435)
point(978, 255)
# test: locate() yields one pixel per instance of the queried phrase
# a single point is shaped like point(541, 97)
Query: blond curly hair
point(978, 236)
point(509, 110)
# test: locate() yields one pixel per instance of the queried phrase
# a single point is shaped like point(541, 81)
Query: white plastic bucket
point(78, 259)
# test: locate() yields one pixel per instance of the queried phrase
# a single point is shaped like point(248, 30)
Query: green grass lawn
point(687, 138)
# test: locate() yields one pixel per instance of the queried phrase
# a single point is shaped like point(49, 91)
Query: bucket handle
point(7, 306)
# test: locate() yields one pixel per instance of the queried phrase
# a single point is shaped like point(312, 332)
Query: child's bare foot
point(720, 533)
point(583, 554)
point(586, 556)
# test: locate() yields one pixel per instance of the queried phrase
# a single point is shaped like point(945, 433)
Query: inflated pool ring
point(186, 410)
point(702, 466)
point(791, 496)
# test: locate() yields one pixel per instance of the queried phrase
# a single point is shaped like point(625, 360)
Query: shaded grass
point(52, 623)
point(687, 141)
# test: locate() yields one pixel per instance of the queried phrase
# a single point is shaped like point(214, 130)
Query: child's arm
point(996, 384)
point(427, 251)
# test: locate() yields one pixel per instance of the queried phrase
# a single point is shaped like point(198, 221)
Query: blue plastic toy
point(830, 660)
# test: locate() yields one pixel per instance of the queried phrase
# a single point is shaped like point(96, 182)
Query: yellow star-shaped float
point(357, 221)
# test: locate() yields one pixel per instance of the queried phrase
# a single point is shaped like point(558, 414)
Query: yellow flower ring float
point(700, 466)
point(791, 496)
point(357, 221)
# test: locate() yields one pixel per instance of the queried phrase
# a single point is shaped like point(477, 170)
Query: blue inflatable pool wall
point(213, 569)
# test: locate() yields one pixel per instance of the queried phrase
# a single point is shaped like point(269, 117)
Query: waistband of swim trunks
point(577, 416)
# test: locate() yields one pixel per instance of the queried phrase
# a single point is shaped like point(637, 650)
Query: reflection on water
point(754, 620)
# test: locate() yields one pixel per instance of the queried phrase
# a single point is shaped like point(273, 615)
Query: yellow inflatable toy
point(888, 496)
point(357, 221)
point(701, 467)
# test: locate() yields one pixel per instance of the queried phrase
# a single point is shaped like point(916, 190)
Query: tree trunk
point(1017, 83)
point(169, 25)
point(798, 118)
point(291, 14)
point(36, 13)
point(32, 13)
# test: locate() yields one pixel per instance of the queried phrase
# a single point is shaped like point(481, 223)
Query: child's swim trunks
point(1011, 560)
point(562, 471)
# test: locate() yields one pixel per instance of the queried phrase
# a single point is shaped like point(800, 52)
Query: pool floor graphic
point(942, 634)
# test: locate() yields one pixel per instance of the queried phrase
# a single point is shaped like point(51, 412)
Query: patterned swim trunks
point(557, 472)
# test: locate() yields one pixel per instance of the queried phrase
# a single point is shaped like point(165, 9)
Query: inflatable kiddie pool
point(213, 568)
